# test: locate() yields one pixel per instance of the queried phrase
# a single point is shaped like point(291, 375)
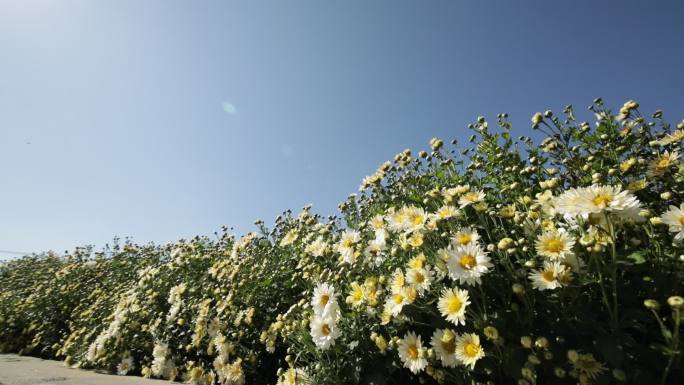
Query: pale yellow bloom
point(411, 353)
point(452, 305)
point(674, 218)
point(444, 343)
point(468, 349)
point(471, 197)
point(554, 244)
point(659, 166)
point(289, 238)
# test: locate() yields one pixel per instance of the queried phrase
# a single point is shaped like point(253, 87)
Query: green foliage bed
point(512, 261)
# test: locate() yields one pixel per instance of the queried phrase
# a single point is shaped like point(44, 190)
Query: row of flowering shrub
point(514, 261)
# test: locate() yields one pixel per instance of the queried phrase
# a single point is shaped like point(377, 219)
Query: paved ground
point(20, 370)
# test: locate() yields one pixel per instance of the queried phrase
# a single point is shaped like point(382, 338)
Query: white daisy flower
point(398, 220)
point(452, 305)
point(396, 301)
point(670, 138)
point(444, 343)
point(554, 244)
point(375, 251)
point(465, 237)
point(324, 331)
point(546, 201)
point(445, 212)
point(660, 165)
point(317, 248)
point(468, 263)
point(549, 277)
point(419, 278)
point(377, 222)
point(674, 218)
point(468, 349)
point(125, 366)
point(411, 352)
point(346, 246)
point(416, 219)
point(234, 375)
point(289, 238)
point(471, 197)
point(160, 365)
point(356, 295)
point(381, 236)
point(293, 376)
point(598, 199)
point(324, 300)
point(568, 202)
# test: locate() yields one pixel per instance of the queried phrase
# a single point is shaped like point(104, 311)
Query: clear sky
point(159, 120)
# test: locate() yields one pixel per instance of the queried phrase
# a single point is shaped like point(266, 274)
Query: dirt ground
point(20, 370)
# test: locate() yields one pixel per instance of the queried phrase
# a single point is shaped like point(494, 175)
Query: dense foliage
point(509, 262)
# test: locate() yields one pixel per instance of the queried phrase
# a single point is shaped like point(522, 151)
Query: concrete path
point(21, 370)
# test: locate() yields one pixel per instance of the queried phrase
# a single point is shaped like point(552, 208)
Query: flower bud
point(676, 302)
point(505, 244)
point(559, 372)
point(533, 359)
point(491, 333)
point(542, 343)
point(536, 119)
point(526, 342)
point(518, 289)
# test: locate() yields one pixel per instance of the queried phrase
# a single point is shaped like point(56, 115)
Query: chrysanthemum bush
point(522, 260)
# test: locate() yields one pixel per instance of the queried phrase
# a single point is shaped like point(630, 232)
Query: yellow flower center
point(412, 352)
point(398, 298)
point(467, 262)
point(324, 299)
point(454, 304)
point(325, 329)
point(416, 263)
point(681, 220)
point(602, 200)
point(548, 275)
point(357, 295)
point(663, 163)
point(417, 219)
point(235, 370)
point(347, 243)
point(471, 349)
point(419, 277)
point(416, 239)
point(554, 245)
point(464, 239)
point(399, 281)
point(471, 196)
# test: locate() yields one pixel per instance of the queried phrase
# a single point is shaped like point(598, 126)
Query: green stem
point(613, 271)
point(603, 289)
point(667, 369)
point(674, 346)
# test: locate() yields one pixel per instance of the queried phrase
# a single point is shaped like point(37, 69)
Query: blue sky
point(159, 120)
